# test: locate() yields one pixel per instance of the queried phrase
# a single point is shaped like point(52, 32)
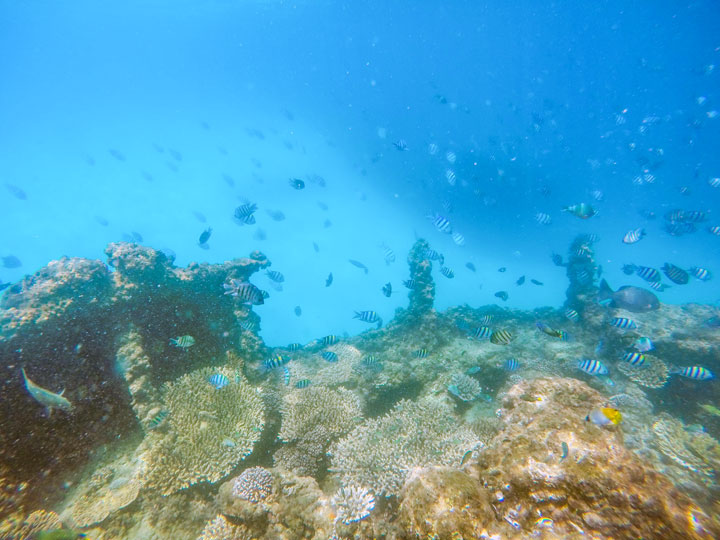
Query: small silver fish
point(46, 397)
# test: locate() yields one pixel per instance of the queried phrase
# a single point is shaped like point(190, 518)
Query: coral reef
point(352, 504)
point(312, 418)
point(653, 373)
point(582, 271)
point(694, 450)
point(254, 484)
point(210, 430)
point(221, 528)
point(380, 452)
point(16, 528)
point(464, 387)
point(422, 294)
point(599, 488)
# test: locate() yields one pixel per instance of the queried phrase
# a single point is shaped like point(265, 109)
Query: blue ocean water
point(135, 116)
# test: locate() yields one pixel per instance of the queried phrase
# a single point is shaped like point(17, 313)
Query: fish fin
point(61, 393)
point(604, 292)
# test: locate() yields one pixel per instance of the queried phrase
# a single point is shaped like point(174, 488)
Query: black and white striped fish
point(623, 322)
point(660, 287)
point(388, 254)
point(246, 210)
point(433, 255)
point(501, 337)
point(275, 276)
point(482, 332)
point(330, 356)
point(715, 229)
point(698, 373)
point(409, 283)
point(276, 361)
point(245, 291)
point(447, 272)
point(511, 364)
point(367, 316)
point(633, 236)
point(700, 273)
point(634, 358)
point(676, 274)
point(543, 219)
point(592, 367)
point(330, 339)
point(441, 223)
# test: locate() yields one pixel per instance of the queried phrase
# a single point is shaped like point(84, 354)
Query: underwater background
point(359, 270)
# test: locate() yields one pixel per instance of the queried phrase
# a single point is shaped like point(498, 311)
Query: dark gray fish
point(275, 215)
point(502, 269)
point(359, 265)
point(199, 216)
point(116, 154)
point(634, 299)
point(502, 295)
point(329, 280)
point(177, 156)
point(520, 281)
point(16, 192)
point(327, 223)
point(298, 311)
point(296, 183)
point(322, 205)
point(137, 236)
point(675, 274)
point(147, 176)
point(205, 236)
point(536, 282)
point(387, 289)
point(102, 221)
point(470, 266)
point(11, 261)
point(229, 180)
point(172, 166)
point(316, 247)
point(158, 148)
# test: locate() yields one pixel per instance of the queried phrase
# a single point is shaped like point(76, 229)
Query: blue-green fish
point(330, 356)
point(698, 373)
point(184, 342)
point(218, 380)
point(276, 361)
point(158, 420)
point(46, 397)
point(421, 353)
point(294, 347)
point(302, 383)
point(286, 375)
point(328, 340)
point(565, 450)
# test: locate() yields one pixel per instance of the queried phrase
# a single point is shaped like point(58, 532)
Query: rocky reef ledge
point(178, 422)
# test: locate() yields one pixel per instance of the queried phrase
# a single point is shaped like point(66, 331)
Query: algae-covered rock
point(600, 487)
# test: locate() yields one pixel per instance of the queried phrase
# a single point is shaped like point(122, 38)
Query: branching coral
point(254, 484)
point(352, 504)
point(210, 430)
point(382, 451)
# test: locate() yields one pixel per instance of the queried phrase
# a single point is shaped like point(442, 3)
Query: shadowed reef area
point(467, 423)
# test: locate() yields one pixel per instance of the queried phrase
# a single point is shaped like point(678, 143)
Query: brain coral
point(381, 452)
point(210, 430)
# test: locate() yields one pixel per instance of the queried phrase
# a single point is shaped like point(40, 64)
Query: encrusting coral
point(210, 430)
point(696, 451)
point(381, 452)
point(16, 528)
point(653, 373)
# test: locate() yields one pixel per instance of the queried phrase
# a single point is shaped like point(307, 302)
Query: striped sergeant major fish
point(409, 283)
point(421, 353)
point(697, 373)
point(482, 332)
point(245, 211)
point(441, 223)
point(330, 339)
point(634, 358)
point(294, 347)
point(624, 323)
point(276, 361)
point(433, 255)
point(501, 337)
point(633, 236)
point(592, 367)
point(700, 273)
point(275, 276)
point(330, 356)
point(183, 342)
point(48, 399)
point(675, 274)
point(368, 317)
point(447, 272)
point(511, 364)
point(388, 254)
point(245, 291)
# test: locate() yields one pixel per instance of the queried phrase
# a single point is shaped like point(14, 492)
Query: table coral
point(381, 451)
point(210, 430)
